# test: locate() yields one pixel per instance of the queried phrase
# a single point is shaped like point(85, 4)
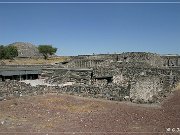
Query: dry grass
point(52, 103)
point(31, 61)
point(88, 107)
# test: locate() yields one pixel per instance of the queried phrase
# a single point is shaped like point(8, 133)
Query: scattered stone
point(2, 122)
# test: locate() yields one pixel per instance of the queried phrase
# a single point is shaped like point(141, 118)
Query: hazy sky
point(93, 28)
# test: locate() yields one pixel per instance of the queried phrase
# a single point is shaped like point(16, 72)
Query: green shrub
point(8, 52)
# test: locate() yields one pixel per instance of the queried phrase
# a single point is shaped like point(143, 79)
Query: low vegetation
point(8, 52)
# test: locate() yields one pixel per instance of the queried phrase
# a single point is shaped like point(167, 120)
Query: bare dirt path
point(65, 114)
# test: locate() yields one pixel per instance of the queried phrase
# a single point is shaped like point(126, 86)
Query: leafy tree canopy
point(8, 52)
point(1, 52)
point(47, 50)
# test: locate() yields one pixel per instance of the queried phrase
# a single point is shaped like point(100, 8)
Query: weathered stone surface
point(145, 88)
point(26, 50)
point(87, 61)
point(171, 60)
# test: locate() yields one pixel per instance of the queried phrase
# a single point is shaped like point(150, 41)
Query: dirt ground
point(64, 114)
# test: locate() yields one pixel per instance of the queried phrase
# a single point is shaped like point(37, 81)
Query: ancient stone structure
point(14, 73)
point(12, 88)
point(171, 61)
point(26, 50)
point(136, 76)
point(146, 77)
point(86, 61)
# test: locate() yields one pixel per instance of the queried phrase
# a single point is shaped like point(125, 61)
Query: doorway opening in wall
point(20, 77)
point(108, 78)
point(15, 73)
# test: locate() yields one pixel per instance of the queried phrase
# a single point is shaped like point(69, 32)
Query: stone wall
point(15, 89)
point(150, 58)
point(84, 63)
point(60, 76)
point(87, 61)
point(145, 89)
point(171, 61)
point(10, 89)
point(131, 69)
point(145, 84)
point(142, 74)
point(110, 92)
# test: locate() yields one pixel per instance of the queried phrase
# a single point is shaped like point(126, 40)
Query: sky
point(87, 28)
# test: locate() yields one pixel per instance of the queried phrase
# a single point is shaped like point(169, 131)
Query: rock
point(2, 122)
point(1, 98)
point(127, 98)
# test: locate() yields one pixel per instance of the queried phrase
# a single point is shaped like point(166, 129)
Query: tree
point(1, 52)
point(47, 50)
point(10, 52)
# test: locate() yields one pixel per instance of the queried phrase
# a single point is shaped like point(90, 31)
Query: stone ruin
point(26, 50)
point(134, 76)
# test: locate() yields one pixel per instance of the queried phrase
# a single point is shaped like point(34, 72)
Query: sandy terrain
point(65, 114)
